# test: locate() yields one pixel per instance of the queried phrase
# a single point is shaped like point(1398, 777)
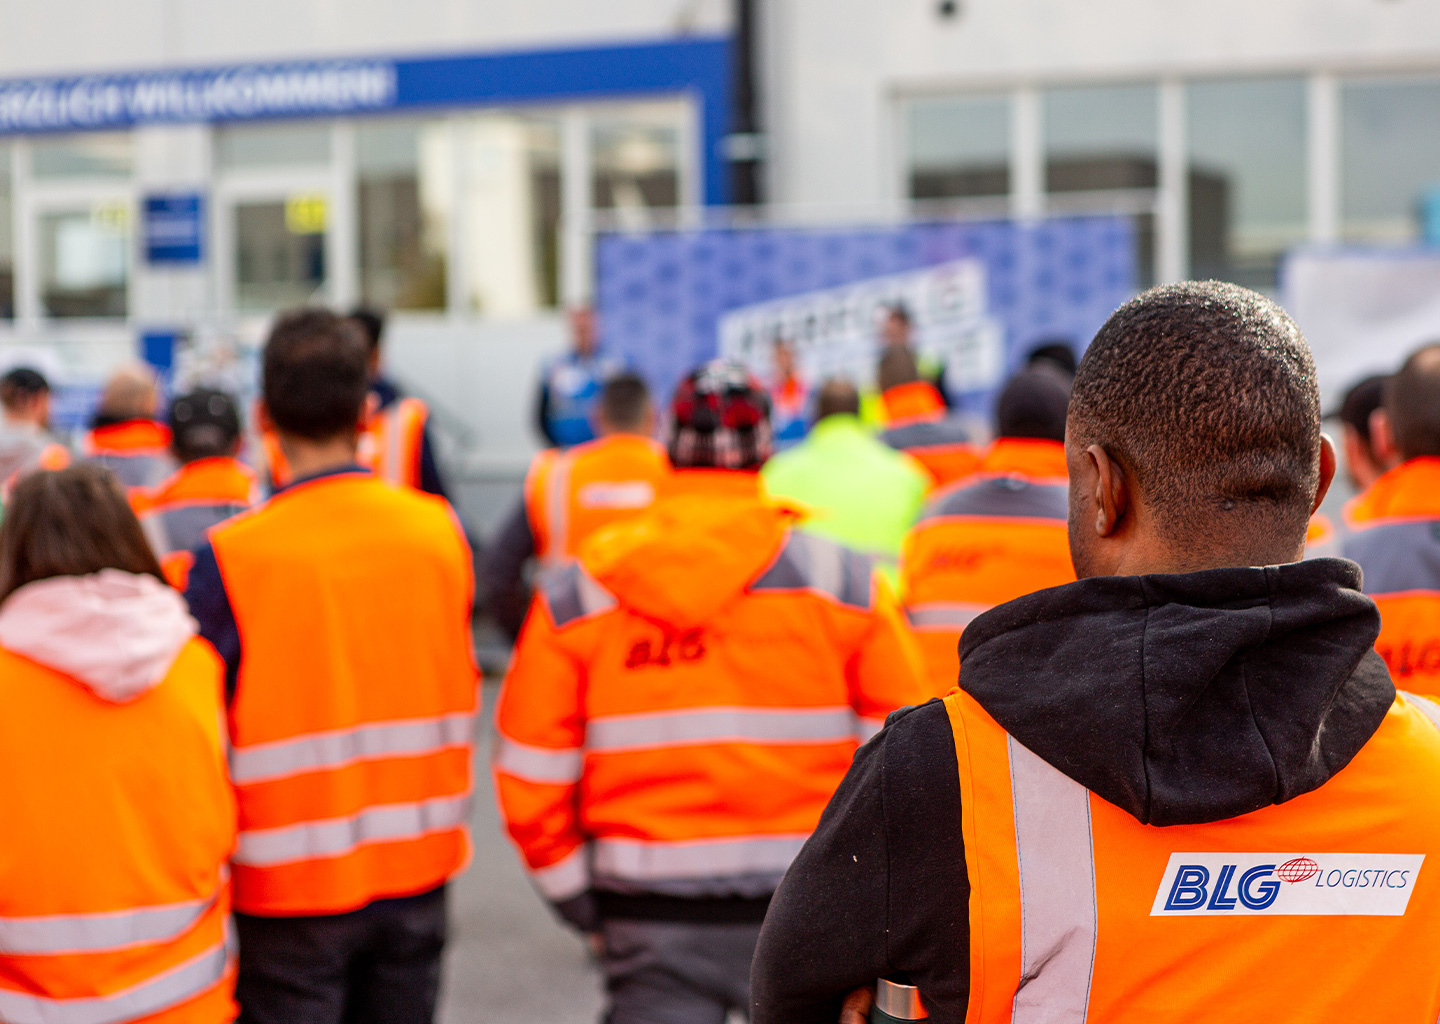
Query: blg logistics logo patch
point(1372, 884)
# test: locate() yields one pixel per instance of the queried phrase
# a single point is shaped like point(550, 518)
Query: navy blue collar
point(346, 470)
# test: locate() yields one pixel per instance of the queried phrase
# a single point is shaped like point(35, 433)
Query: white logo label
point(623, 494)
point(1372, 884)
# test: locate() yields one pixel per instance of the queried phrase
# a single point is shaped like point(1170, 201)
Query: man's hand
point(857, 1006)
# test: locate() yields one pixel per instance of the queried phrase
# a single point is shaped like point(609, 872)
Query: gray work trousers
point(663, 972)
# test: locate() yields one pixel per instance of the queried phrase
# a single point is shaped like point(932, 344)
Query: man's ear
point(1328, 463)
point(1112, 491)
point(1382, 440)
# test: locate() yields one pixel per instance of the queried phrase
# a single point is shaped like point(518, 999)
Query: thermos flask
point(896, 1003)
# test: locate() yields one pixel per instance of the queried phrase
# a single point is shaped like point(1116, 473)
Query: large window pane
point(509, 186)
point(1100, 137)
point(305, 144)
point(84, 261)
point(637, 157)
point(406, 195)
point(1246, 141)
point(279, 252)
point(958, 146)
point(1390, 152)
point(97, 155)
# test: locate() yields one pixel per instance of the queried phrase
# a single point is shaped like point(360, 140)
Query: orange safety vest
point(136, 451)
point(390, 446)
point(983, 541)
point(197, 496)
point(355, 701)
point(118, 820)
point(1393, 532)
point(694, 758)
point(1323, 908)
point(916, 423)
point(572, 492)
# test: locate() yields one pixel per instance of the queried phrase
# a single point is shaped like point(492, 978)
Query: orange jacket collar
point(917, 400)
point(1025, 456)
point(130, 436)
point(217, 479)
point(1411, 489)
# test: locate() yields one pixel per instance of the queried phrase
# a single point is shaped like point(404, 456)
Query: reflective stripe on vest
point(565, 879)
point(182, 982)
point(720, 725)
point(648, 860)
point(311, 840)
point(557, 509)
point(337, 748)
point(946, 615)
point(88, 933)
point(395, 437)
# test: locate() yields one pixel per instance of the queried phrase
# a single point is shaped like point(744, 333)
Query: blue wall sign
point(698, 67)
point(174, 229)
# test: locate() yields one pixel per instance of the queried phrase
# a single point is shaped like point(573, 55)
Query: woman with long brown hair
point(116, 815)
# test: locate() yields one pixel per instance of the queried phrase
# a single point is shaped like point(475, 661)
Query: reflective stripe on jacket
point(136, 451)
point(683, 703)
point(199, 495)
point(355, 696)
point(982, 542)
point(1318, 909)
point(1393, 532)
point(393, 439)
point(918, 423)
point(118, 820)
point(570, 493)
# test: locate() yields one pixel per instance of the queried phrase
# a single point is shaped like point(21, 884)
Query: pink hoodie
point(116, 632)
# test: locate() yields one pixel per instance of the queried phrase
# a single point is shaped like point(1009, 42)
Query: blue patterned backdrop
point(660, 295)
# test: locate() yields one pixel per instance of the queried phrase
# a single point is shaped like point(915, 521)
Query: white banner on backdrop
point(836, 332)
point(1363, 311)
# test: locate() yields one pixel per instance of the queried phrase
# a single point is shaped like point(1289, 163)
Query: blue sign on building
point(175, 229)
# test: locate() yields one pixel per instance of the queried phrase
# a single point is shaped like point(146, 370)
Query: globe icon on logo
point(1298, 870)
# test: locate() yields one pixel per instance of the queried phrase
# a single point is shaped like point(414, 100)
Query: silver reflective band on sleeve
point(728, 724)
point(1056, 856)
point(557, 504)
point(641, 860)
point(537, 764)
point(88, 933)
point(312, 840)
point(182, 982)
point(867, 728)
point(944, 614)
point(326, 750)
point(1425, 706)
point(561, 881)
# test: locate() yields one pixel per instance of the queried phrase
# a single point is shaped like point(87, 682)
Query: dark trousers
point(377, 965)
point(666, 972)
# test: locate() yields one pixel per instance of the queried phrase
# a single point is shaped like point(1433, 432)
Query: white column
point(576, 190)
point(1027, 154)
point(343, 231)
point(1172, 218)
point(1323, 157)
point(26, 242)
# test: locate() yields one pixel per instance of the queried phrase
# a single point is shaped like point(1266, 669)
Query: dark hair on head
point(1057, 353)
point(203, 424)
point(1363, 398)
point(625, 402)
point(837, 397)
point(1033, 404)
point(21, 384)
point(315, 374)
point(1206, 395)
point(1412, 399)
point(897, 367)
point(372, 324)
point(70, 522)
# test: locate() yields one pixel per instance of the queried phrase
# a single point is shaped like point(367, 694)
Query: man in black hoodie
point(1071, 834)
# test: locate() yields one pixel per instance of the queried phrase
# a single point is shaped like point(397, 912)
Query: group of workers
point(730, 747)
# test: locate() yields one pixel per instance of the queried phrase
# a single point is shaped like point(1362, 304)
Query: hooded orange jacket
point(984, 541)
point(1393, 532)
point(684, 700)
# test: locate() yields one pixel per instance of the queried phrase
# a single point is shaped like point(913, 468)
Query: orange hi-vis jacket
point(390, 446)
point(916, 423)
point(984, 541)
point(1393, 532)
point(1322, 908)
point(572, 492)
point(199, 495)
point(685, 699)
point(118, 820)
point(136, 451)
point(355, 697)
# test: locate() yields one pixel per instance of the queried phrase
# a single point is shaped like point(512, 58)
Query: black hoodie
point(1181, 699)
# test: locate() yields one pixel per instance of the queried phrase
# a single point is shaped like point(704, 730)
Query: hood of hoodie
point(1187, 698)
point(690, 555)
point(116, 632)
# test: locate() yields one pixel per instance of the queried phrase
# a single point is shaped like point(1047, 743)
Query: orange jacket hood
point(707, 537)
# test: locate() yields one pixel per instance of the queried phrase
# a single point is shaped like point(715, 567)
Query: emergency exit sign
point(174, 229)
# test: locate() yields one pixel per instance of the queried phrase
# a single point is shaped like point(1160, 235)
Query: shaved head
point(1412, 400)
point(129, 394)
